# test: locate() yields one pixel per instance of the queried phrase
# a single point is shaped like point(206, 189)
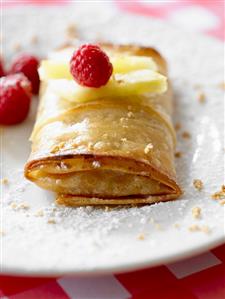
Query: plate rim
point(134, 265)
point(122, 268)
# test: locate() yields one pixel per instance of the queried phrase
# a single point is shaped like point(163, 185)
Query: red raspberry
point(15, 93)
point(28, 65)
point(2, 72)
point(90, 66)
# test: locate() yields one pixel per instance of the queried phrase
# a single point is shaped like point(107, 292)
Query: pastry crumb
point(23, 206)
point(148, 147)
point(198, 228)
point(96, 164)
point(222, 85)
point(176, 225)
point(219, 194)
point(196, 212)
point(141, 237)
point(198, 184)
point(55, 149)
point(123, 139)
point(4, 181)
point(90, 146)
point(186, 135)
point(39, 213)
point(71, 31)
point(158, 226)
point(2, 233)
point(177, 126)
point(106, 208)
point(51, 221)
point(178, 154)
point(13, 205)
point(205, 229)
point(16, 46)
point(34, 39)
point(130, 114)
point(194, 228)
point(201, 97)
point(122, 119)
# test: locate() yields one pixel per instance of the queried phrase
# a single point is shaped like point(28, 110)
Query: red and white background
point(201, 277)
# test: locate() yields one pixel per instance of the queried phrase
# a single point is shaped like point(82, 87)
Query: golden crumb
point(196, 212)
point(2, 233)
point(222, 85)
point(130, 114)
point(123, 139)
point(194, 228)
point(106, 208)
point(197, 228)
point(119, 81)
point(13, 205)
point(23, 206)
point(177, 126)
point(158, 226)
point(122, 119)
point(141, 237)
point(178, 154)
point(39, 213)
point(219, 194)
point(71, 31)
point(176, 225)
point(96, 164)
point(4, 181)
point(16, 46)
point(57, 148)
point(198, 184)
point(51, 221)
point(34, 39)
point(148, 147)
point(205, 229)
point(186, 135)
point(201, 97)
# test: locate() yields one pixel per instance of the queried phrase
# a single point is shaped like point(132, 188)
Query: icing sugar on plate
point(41, 238)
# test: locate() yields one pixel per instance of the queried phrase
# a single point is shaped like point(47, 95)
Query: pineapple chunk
point(52, 69)
point(132, 83)
point(56, 69)
point(124, 64)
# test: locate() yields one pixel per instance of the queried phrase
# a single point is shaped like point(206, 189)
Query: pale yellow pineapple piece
point(52, 69)
point(123, 64)
point(59, 69)
point(120, 85)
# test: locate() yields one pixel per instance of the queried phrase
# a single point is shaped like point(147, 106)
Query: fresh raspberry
point(15, 94)
point(2, 72)
point(28, 65)
point(90, 66)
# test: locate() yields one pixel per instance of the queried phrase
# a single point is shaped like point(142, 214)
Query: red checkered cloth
point(200, 277)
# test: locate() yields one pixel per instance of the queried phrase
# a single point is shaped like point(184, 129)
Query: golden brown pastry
point(106, 151)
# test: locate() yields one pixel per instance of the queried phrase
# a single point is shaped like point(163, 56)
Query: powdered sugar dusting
point(50, 238)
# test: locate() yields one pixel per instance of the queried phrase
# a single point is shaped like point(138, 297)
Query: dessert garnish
point(90, 66)
point(28, 65)
point(14, 99)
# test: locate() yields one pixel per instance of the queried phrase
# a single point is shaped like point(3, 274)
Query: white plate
point(90, 240)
